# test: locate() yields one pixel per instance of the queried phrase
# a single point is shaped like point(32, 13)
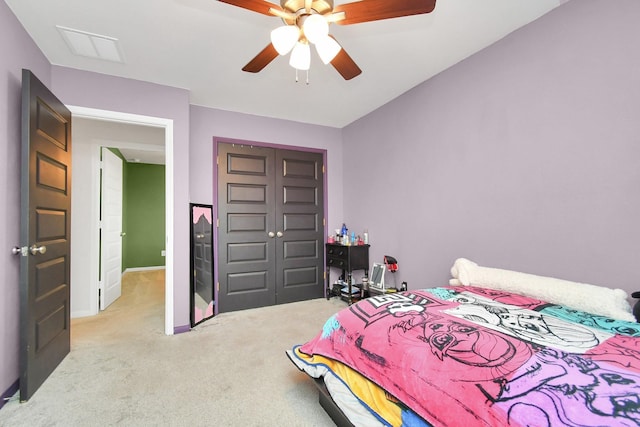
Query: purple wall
point(523, 156)
point(18, 52)
point(92, 90)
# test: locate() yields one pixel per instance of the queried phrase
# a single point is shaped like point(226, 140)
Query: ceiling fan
point(307, 22)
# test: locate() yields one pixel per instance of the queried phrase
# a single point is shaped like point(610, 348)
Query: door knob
point(279, 234)
point(271, 234)
point(35, 250)
point(16, 250)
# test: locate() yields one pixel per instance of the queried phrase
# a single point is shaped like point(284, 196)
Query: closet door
point(246, 214)
point(270, 235)
point(299, 216)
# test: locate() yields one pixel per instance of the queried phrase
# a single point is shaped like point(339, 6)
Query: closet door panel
point(300, 209)
point(246, 213)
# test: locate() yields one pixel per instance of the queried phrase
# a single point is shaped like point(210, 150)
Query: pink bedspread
point(465, 356)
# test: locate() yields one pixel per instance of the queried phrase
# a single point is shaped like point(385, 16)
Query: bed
point(484, 350)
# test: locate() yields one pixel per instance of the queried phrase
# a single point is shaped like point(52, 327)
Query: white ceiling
point(201, 46)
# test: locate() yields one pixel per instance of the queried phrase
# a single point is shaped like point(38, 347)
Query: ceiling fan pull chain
point(296, 75)
point(307, 77)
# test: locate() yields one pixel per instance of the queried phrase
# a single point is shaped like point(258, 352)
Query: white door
point(111, 231)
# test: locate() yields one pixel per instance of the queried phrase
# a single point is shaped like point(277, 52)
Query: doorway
point(84, 269)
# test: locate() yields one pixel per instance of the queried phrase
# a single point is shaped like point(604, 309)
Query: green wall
point(143, 215)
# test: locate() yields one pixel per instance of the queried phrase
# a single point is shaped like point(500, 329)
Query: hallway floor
point(138, 311)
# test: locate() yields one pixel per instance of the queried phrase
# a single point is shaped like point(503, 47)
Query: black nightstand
point(348, 259)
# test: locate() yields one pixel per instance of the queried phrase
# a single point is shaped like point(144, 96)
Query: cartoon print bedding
point(468, 356)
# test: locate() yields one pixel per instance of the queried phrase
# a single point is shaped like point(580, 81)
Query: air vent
point(91, 45)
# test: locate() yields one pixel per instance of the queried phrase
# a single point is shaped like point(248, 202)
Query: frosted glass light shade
point(300, 56)
point(285, 38)
point(315, 28)
point(327, 49)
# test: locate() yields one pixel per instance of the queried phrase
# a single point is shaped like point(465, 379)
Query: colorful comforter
point(467, 356)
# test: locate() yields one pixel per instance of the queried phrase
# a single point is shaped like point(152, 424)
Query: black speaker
point(636, 308)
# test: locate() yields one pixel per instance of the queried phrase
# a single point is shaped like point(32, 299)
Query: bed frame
point(330, 406)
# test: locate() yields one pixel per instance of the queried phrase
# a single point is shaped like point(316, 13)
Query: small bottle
point(353, 238)
point(366, 237)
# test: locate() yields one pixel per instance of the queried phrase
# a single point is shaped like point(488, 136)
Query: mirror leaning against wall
point(202, 303)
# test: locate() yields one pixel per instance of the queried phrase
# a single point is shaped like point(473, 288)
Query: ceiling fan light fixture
point(300, 56)
point(315, 28)
point(310, 19)
point(284, 38)
point(327, 48)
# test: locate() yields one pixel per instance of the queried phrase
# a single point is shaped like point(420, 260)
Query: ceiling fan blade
point(374, 10)
point(260, 6)
point(345, 65)
point(261, 60)
point(335, 17)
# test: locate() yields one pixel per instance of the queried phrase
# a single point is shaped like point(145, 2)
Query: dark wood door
point(299, 220)
point(246, 214)
point(270, 235)
point(44, 234)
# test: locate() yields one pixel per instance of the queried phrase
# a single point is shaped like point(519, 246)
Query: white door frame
point(167, 124)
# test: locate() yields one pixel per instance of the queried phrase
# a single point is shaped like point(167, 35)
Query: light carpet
point(229, 371)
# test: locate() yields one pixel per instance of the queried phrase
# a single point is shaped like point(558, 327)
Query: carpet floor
point(228, 371)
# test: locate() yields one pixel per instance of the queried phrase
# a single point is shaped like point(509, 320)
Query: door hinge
point(218, 287)
point(217, 222)
point(217, 160)
point(324, 222)
point(322, 168)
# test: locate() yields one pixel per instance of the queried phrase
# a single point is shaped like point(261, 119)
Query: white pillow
point(590, 298)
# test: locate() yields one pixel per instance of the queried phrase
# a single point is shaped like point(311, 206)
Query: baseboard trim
point(157, 267)
point(181, 329)
point(84, 313)
point(9, 392)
